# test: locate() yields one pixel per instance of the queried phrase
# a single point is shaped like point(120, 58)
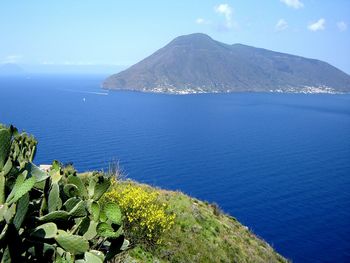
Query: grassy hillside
point(200, 233)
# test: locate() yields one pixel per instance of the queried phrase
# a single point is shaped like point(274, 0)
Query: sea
point(279, 163)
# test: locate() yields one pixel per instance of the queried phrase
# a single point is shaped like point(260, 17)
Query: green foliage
point(55, 216)
point(48, 230)
point(146, 217)
point(74, 244)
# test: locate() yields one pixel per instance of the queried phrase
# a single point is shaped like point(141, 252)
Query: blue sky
point(103, 32)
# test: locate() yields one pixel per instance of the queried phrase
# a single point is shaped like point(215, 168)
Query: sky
point(112, 32)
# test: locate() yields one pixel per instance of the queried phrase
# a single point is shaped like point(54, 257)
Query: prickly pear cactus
point(54, 216)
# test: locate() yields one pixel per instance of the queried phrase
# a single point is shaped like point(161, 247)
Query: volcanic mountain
point(196, 63)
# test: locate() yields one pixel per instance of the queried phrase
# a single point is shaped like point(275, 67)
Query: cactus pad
point(78, 210)
point(54, 198)
point(36, 172)
point(101, 187)
point(105, 230)
point(21, 212)
point(72, 243)
point(95, 210)
point(5, 144)
point(113, 213)
point(75, 180)
point(54, 216)
point(71, 203)
point(21, 188)
point(92, 258)
point(91, 231)
point(71, 190)
point(48, 230)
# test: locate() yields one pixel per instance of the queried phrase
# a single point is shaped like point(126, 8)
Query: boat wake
point(86, 92)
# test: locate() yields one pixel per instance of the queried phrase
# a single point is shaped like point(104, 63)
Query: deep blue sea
point(279, 163)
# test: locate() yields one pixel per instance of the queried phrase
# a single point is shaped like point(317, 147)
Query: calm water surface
point(280, 163)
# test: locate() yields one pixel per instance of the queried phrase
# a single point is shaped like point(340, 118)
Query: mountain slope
point(201, 233)
point(197, 63)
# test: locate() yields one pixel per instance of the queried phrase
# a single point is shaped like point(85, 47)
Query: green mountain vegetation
point(201, 232)
point(62, 216)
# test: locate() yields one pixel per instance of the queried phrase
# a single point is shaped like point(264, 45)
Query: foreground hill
point(201, 233)
point(196, 63)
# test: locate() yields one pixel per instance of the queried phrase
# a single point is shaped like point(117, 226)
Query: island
point(196, 63)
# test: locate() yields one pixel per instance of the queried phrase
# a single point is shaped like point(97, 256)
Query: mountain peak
point(196, 63)
point(195, 39)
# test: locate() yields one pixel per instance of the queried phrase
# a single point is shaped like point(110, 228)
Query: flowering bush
point(146, 218)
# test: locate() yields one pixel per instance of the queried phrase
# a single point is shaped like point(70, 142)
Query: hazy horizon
point(66, 69)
